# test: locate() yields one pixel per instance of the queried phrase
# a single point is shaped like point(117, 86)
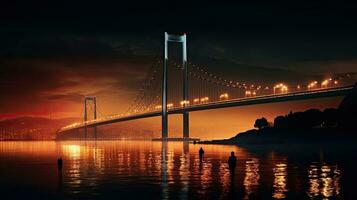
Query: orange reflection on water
point(171, 168)
point(28, 147)
point(184, 170)
point(251, 179)
point(225, 177)
point(206, 175)
point(314, 181)
point(73, 152)
point(280, 180)
point(324, 181)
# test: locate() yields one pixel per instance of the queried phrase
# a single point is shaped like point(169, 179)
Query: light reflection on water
point(251, 179)
point(224, 178)
point(99, 170)
point(324, 180)
point(280, 180)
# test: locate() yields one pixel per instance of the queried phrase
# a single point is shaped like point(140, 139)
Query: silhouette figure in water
point(59, 163)
point(232, 161)
point(201, 152)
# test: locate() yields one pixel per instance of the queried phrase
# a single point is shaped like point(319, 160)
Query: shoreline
point(273, 136)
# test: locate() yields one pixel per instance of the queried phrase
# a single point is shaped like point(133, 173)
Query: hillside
point(31, 128)
point(310, 126)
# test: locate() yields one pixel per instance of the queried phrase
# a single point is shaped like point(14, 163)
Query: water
point(152, 170)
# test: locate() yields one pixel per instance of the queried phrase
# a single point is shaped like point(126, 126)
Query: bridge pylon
point(179, 39)
point(93, 99)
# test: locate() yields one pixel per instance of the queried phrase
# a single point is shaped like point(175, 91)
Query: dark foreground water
point(152, 170)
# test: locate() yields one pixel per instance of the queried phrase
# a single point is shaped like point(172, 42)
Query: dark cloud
point(24, 76)
point(73, 97)
point(51, 50)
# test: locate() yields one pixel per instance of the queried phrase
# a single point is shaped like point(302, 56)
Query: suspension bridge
point(197, 89)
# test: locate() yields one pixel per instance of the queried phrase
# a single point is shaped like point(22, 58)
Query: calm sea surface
point(155, 170)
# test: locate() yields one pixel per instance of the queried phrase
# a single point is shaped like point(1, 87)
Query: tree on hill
point(261, 123)
point(300, 120)
point(279, 122)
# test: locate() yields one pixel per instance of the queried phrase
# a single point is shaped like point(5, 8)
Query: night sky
point(53, 53)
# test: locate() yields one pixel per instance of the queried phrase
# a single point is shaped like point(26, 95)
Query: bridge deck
point(330, 92)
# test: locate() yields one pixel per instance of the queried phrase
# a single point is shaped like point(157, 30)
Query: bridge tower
point(87, 99)
point(179, 39)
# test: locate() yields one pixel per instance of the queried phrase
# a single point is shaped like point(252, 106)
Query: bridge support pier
point(94, 100)
point(85, 118)
point(186, 120)
point(164, 118)
point(186, 126)
point(179, 39)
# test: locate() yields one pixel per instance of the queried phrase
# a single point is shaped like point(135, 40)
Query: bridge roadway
point(262, 99)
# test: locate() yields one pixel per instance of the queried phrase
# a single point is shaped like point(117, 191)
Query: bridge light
point(326, 82)
point(170, 105)
point(158, 107)
point(275, 87)
point(335, 82)
point(298, 87)
point(223, 96)
point(248, 93)
point(184, 103)
point(204, 99)
point(282, 87)
point(312, 85)
point(196, 100)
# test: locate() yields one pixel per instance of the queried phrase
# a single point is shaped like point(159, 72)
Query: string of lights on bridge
point(250, 89)
point(148, 97)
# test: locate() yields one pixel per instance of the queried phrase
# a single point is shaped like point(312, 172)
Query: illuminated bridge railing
point(205, 104)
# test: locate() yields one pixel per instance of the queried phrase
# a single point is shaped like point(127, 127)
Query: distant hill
point(136, 129)
point(32, 122)
point(32, 128)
